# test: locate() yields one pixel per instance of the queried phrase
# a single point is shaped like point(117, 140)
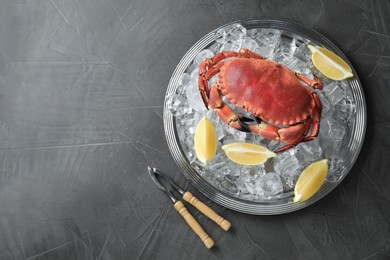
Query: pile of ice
point(277, 177)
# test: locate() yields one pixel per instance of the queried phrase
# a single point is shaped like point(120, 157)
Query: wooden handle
point(191, 221)
point(211, 214)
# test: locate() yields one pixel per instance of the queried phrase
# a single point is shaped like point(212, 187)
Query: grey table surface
point(82, 86)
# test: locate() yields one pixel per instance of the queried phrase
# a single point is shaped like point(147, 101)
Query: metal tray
point(281, 203)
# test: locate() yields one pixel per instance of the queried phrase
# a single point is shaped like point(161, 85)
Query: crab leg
point(242, 53)
point(208, 68)
point(210, 62)
point(265, 130)
point(204, 76)
point(245, 53)
point(213, 70)
point(316, 115)
point(291, 135)
point(316, 83)
point(222, 110)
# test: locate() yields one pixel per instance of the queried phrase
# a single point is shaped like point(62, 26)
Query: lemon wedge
point(205, 140)
point(311, 180)
point(329, 63)
point(247, 154)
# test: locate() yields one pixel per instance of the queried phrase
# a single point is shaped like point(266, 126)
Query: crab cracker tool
point(166, 184)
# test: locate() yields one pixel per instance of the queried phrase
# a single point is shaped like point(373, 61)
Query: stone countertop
point(82, 86)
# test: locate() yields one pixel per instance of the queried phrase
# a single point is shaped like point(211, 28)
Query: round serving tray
point(278, 204)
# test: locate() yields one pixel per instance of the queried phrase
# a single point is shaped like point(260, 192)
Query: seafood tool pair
point(166, 184)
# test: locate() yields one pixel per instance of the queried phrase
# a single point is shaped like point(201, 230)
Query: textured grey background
point(82, 86)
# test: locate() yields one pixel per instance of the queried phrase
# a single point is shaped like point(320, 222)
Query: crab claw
point(245, 123)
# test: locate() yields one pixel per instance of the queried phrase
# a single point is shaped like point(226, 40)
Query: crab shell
point(267, 89)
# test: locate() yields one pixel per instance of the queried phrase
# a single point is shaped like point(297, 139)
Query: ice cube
point(254, 138)
point(227, 46)
point(336, 170)
point(191, 130)
point(234, 167)
point(194, 76)
point(190, 119)
point(332, 130)
point(308, 152)
point(345, 109)
point(303, 53)
point(209, 176)
point(274, 145)
point(176, 105)
point(214, 47)
point(217, 124)
point(213, 80)
point(271, 184)
point(221, 135)
point(296, 65)
point(184, 79)
point(229, 186)
point(266, 36)
point(238, 135)
point(287, 165)
point(194, 98)
point(285, 50)
point(189, 138)
point(249, 181)
point(190, 122)
point(286, 161)
point(330, 148)
point(206, 53)
point(197, 117)
point(232, 134)
point(191, 155)
point(267, 39)
point(334, 92)
point(251, 44)
point(181, 133)
point(232, 37)
point(218, 166)
point(195, 101)
point(245, 182)
point(169, 101)
point(233, 176)
point(327, 109)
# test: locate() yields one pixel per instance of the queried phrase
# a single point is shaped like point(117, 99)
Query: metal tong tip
point(168, 186)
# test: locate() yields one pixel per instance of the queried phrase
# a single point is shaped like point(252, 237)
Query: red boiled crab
point(281, 108)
